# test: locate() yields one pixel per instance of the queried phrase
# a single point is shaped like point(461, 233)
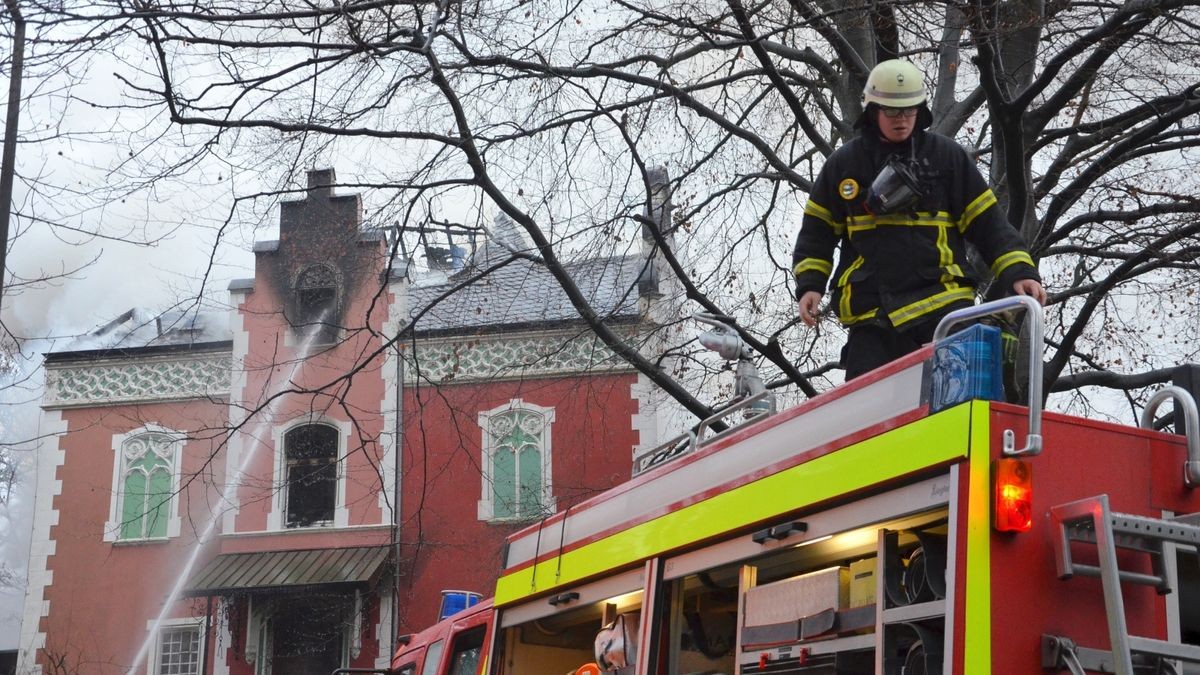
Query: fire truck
point(908, 522)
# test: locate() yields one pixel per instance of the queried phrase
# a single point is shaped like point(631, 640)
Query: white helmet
point(895, 84)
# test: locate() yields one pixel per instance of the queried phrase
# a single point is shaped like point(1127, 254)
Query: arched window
point(316, 295)
point(516, 460)
point(145, 486)
point(311, 453)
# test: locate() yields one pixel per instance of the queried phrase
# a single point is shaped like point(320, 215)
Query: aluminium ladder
point(1090, 521)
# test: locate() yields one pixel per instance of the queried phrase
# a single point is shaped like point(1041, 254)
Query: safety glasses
point(900, 112)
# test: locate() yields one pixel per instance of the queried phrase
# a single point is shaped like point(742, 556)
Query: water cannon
point(725, 341)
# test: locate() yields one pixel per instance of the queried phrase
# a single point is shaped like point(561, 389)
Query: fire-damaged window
point(310, 634)
point(316, 297)
point(311, 479)
point(516, 462)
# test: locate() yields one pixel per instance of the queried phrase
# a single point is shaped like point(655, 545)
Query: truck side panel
point(1141, 472)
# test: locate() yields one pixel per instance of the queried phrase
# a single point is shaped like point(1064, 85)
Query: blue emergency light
point(454, 602)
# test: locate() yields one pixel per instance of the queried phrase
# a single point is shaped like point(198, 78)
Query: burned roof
point(140, 329)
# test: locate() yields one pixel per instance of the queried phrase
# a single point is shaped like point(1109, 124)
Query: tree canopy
point(560, 114)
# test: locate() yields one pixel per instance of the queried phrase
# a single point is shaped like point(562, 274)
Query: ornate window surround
point(486, 507)
point(112, 527)
point(341, 515)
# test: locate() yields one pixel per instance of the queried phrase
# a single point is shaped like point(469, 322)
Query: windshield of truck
point(433, 658)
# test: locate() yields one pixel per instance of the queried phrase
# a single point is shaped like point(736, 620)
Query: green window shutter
point(504, 482)
point(133, 505)
point(158, 502)
point(530, 488)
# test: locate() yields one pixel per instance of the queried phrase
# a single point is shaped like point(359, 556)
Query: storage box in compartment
point(798, 597)
point(862, 582)
point(967, 365)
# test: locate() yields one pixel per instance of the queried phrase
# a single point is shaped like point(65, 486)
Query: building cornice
point(511, 356)
point(137, 379)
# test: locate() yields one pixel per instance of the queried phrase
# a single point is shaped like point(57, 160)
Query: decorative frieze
point(508, 356)
point(137, 381)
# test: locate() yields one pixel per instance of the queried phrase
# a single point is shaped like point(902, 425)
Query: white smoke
point(20, 392)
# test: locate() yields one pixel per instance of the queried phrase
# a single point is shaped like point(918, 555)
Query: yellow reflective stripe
point(844, 284)
point(945, 255)
point(869, 222)
point(982, 203)
point(825, 215)
point(813, 265)
point(1009, 259)
point(928, 442)
point(915, 310)
point(844, 304)
point(844, 314)
point(858, 318)
point(845, 278)
point(977, 628)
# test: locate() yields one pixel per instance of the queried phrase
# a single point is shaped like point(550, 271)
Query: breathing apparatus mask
point(895, 189)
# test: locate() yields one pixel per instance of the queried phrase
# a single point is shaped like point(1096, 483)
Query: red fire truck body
point(858, 533)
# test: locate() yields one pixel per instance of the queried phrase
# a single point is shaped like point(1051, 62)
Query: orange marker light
point(1012, 490)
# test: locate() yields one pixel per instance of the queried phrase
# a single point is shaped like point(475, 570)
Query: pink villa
point(289, 487)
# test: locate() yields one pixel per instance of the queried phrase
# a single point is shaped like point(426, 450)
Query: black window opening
point(309, 633)
point(311, 487)
point(316, 299)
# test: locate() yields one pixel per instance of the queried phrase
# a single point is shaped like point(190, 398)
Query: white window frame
point(486, 507)
point(112, 527)
point(276, 519)
point(154, 664)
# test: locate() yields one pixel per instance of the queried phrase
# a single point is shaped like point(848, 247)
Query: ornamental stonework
point(496, 357)
point(143, 381)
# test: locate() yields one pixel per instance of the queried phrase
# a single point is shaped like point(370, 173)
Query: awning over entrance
point(282, 570)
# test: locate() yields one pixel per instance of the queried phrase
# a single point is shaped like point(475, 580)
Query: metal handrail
point(687, 440)
point(1185, 405)
point(1033, 311)
point(745, 403)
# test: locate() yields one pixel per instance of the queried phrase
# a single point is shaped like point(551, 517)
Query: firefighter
point(901, 202)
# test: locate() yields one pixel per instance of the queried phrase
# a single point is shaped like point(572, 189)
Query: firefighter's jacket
point(906, 266)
